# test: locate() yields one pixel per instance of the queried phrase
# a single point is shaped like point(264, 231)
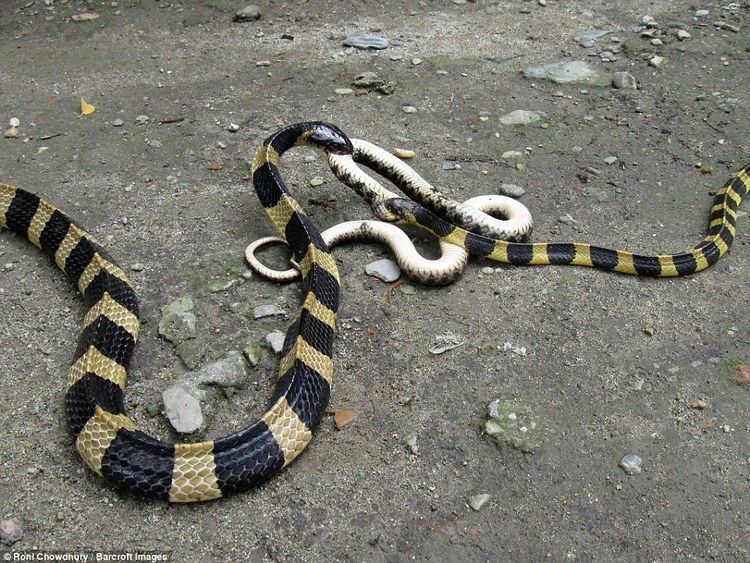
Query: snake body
point(106, 438)
point(109, 441)
point(440, 271)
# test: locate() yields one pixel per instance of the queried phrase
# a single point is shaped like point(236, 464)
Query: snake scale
point(109, 441)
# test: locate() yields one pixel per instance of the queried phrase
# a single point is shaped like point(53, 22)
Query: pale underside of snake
point(497, 216)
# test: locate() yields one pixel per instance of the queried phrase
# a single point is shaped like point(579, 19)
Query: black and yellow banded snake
point(109, 441)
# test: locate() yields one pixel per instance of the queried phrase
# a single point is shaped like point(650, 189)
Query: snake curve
point(109, 441)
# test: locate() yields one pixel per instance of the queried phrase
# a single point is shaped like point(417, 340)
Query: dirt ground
point(613, 363)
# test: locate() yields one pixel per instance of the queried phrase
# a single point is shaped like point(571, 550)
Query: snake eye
point(331, 139)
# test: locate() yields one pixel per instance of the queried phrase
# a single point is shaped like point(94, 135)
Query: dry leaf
point(84, 17)
point(742, 375)
point(215, 166)
point(86, 108)
point(343, 418)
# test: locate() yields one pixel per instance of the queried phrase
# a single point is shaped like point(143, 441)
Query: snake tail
point(718, 240)
point(105, 437)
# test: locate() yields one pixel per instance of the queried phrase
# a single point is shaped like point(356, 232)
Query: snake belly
point(106, 438)
point(719, 237)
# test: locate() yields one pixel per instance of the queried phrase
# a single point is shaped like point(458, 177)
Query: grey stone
point(276, 340)
point(477, 502)
point(567, 219)
point(252, 353)
point(512, 423)
point(262, 311)
point(656, 61)
point(624, 80)
point(386, 270)
point(247, 14)
point(588, 38)
point(631, 464)
point(522, 117)
point(367, 80)
point(366, 42)
point(178, 321)
point(227, 374)
point(183, 410)
point(511, 155)
point(10, 532)
point(701, 13)
point(448, 165)
point(611, 159)
point(408, 109)
point(512, 190)
point(573, 72)
point(191, 352)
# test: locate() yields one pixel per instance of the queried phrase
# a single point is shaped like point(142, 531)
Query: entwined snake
point(108, 440)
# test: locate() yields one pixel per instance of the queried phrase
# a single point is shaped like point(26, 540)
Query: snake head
point(330, 139)
point(389, 210)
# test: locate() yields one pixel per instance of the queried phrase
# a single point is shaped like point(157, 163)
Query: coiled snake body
point(108, 440)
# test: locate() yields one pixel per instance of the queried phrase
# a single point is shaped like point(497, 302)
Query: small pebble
point(262, 311)
point(477, 502)
point(117, 122)
point(656, 61)
point(610, 159)
point(141, 119)
point(487, 270)
point(682, 35)
point(631, 464)
point(408, 109)
point(701, 13)
point(344, 91)
point(137, 267)
point(404, 153)
point(567, 219)
point(656, 42)
point(386, 270)
point(10, 532)
point(263, 63)
point(698, 404)
point(11, 132)
point(512, 190)
point(317, 181)
point(276, 340)
point(366, 42)
point(648, 330)
point(416, 61)
point(624, 81)
point(233, 127)
point(248, 13)
point(509, 155)
point(14, 122)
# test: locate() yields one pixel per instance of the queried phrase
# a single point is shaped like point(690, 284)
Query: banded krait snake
point(108, 440)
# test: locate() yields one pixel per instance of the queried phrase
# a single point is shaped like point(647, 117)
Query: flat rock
point(386, 270)
point(624, 81)
point(247, 14)
point(511, 190)
point(276, 340)
point(588, 38)
point(367, 80)
point(177, 323)
point(522, 117)
point(183, 410)
point(572, 72)
point(10, 532)
point(366, 42)
point(477, 502)
point(228, 373)
point(262, 311)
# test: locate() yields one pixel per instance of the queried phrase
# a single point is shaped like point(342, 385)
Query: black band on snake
point(108, 440)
